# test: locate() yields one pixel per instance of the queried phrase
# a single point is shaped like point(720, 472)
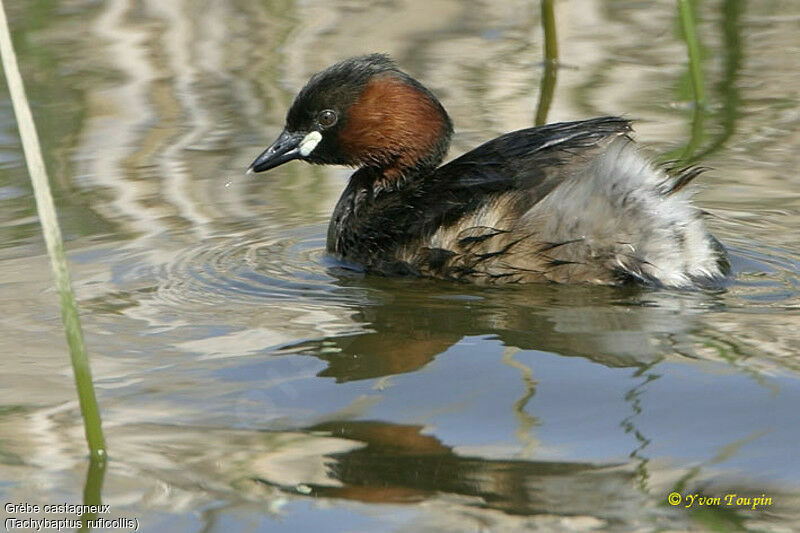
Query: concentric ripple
point(254, 267)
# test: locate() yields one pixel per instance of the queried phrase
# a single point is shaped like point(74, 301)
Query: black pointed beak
point(285, 148)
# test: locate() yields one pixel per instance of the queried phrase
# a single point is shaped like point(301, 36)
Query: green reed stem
point(695, 67)
point(696, 135)
point(52, 237)
point(548, 85)
point(93, 489)
point(732, 12)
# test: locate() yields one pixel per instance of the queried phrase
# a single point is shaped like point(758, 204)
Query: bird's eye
point(327, 118)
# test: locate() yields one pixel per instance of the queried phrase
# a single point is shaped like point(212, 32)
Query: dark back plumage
point(527, 162)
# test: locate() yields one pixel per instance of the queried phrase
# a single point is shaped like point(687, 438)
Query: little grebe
point(567, 202)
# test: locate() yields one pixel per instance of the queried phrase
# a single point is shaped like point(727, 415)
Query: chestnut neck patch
point(397, 127)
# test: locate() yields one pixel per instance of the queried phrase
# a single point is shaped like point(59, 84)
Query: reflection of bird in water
point(418, 323)
point(398, 464)
point(567, 202)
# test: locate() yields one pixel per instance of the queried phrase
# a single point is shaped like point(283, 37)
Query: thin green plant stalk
point(93, 490)
point(732, 12)
point(697, 134)
point(52, 238)
point(548, 85)
point(695, 67)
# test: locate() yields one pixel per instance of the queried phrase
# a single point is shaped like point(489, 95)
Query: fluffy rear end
point(622, 218)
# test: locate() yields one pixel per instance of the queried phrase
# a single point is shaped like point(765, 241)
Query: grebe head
point(363, 112)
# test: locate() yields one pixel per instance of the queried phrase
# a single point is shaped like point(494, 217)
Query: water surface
point(248, 382)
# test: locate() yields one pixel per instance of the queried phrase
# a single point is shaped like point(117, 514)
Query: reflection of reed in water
point(525, 420)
